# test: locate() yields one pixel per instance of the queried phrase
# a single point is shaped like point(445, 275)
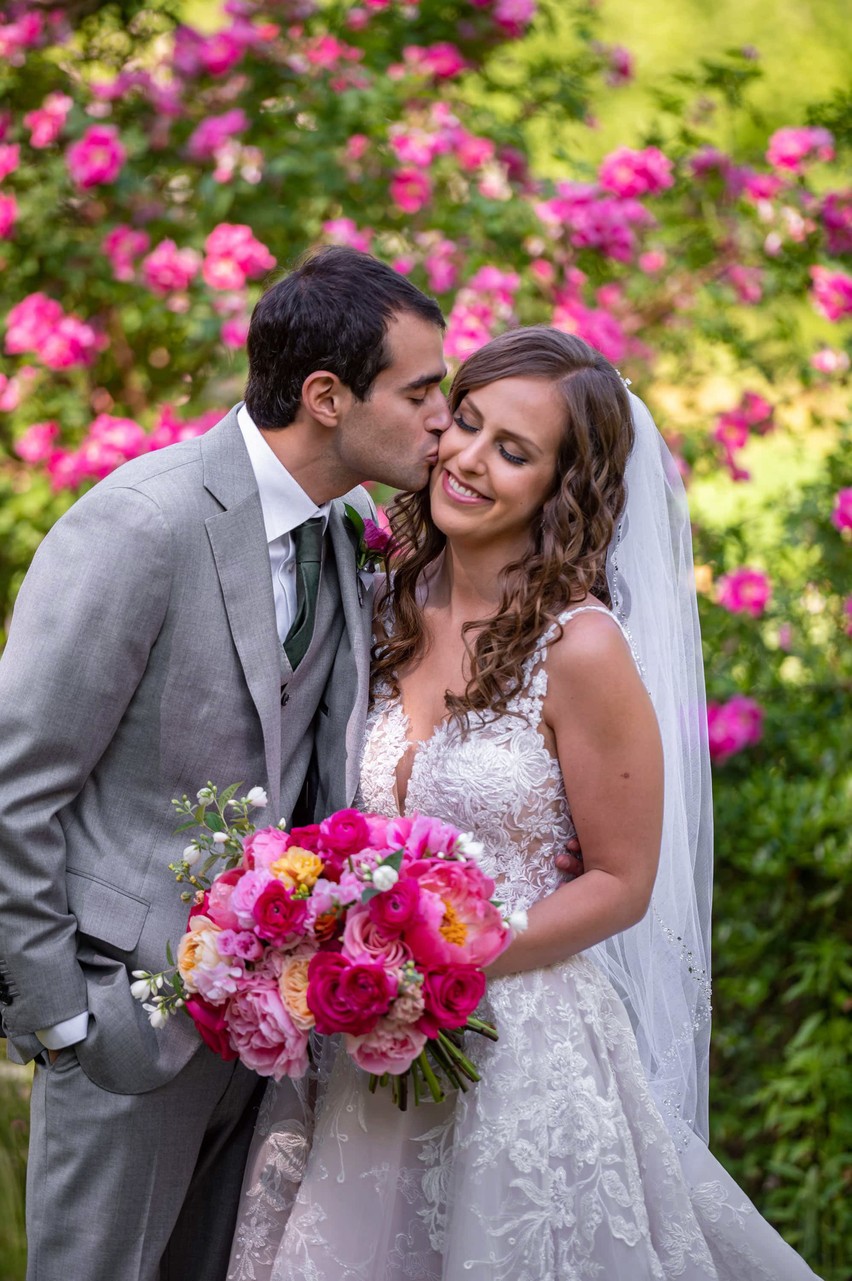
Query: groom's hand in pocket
point(571, 860)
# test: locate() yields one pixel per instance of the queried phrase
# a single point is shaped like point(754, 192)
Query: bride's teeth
point(461, 489)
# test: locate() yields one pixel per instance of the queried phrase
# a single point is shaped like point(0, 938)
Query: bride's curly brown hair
point(568, 540)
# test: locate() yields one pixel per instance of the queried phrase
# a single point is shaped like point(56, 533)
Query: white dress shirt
point(285, 505)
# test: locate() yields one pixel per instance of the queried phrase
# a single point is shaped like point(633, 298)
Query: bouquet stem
point(484, 1029)
point(430, 1077)
point(459, 1059)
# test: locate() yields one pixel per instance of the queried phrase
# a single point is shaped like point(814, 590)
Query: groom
point(197, 616)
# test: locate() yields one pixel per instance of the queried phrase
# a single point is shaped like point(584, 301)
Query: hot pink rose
point(266, 846)
point(277, 913)
point(36, 444)
point(168, 268)
point(263, 1034)
point(733, 726)
point(395, 909)
point(347, 997)
point(832, 292)
point(745, 591)
point(364, 940)
point(841, 516)
point(626, 172)
point(212, 1027)
point(451, 995)
point(98, 157)
point(345, 832)
point(306, 838)
point(410, 190)
point(388, 1048)
point(789, 149)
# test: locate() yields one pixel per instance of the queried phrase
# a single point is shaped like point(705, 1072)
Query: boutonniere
point(373, 545)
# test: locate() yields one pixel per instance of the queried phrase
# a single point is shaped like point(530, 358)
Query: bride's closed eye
point(466, 426)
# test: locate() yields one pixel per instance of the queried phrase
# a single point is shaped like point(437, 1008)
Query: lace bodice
point(498, 781)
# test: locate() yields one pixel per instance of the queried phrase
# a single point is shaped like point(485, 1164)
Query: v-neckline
point(415, 745)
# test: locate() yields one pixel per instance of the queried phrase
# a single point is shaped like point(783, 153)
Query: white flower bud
point(141, 989)
point(385, 877)
point(191, 855)
point(204, 794)
point(518, 920)
point(257, 797)
point(220, 838)
point(469, 847)
point(158, 1018)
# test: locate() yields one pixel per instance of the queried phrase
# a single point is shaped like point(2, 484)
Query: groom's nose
point(440, 419)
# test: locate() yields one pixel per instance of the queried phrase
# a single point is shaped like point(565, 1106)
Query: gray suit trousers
point(137, 1187)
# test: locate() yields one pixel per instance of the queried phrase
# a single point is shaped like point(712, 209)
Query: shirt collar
point(283, 501)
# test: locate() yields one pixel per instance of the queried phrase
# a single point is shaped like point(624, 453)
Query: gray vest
point(301, 691)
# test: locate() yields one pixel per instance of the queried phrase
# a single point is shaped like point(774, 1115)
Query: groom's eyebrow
point(426, 380)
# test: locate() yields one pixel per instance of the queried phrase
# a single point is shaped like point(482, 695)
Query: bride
point(537, 674)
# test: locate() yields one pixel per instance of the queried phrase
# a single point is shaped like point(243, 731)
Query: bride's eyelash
point(466, 426)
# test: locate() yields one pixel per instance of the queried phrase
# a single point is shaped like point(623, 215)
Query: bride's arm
point(609, 750)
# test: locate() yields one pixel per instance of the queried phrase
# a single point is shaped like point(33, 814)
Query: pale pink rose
point(240, 943)
point(47, 121)
point(830, 360)
point(167, 269)
point(744, 591)
point(10, 156)
point(441, 61)
point(234, 332)
point(111, 441)
point(264, 847)
point(792, 148)
point(201, 965)
point(652, 261)
point(363, 940)
point(356, 146)
point(390, 1047)
point(410, 190)
point(746, 282)
point(841, 516)
point(246, 893)
point(98, 157)
point(36, 444)
point(832, 292)
point(627, 172)
point(343, 231)
point(234, 256)
point(264, 1035)
point(8, 215)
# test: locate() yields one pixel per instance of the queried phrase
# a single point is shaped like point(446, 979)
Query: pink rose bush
point(744, 591)
point(733, 726)
point(374, 929)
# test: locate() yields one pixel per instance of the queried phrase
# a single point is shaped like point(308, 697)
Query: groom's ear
point(325, 397)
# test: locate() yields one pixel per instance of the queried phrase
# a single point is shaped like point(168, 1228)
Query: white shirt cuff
point(66, 1033)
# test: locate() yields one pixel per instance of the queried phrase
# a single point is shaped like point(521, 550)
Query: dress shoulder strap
point(565, 617)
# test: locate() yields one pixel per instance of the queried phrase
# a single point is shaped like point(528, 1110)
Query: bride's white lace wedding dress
point(557, 1166)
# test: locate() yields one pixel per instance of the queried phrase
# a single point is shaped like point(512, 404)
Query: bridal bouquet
point(373, 928)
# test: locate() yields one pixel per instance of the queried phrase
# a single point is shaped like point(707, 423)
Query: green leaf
point(356, 519)
point(169, 955)
point(214, 822)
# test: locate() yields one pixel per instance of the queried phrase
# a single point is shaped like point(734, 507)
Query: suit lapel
point(238, 541)
point(357, 613)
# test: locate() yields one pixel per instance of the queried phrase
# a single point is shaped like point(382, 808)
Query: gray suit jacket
point(143, 660)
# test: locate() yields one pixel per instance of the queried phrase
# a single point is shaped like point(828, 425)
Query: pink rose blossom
point(356, 146)
point(122, 246)
point(234, 332)
point(514, 16)
point(744, 591)
point(471, 931)
point(264, 1035)
point(792, 148)
point(451, 994)
point(245, 895)
point(626, 172)
point(441, 61)
point(277, 913)
point(97, 158)
point(109, 443)
point(836, 214)
point(652, 261)
point(234, 256)
point(733, 726)
point(36, 444)
point(19, 35)
point(8, 215)
point(746, 283)
point(167, 268)
point(212, 133)
point(219, 899)
point(264, 847)
point(841, 515)
point(390, 1047)
point(620, 69)
point(10, 156)
point(343, 231)
point(47, 121)
point(345, 833)
point(346, 997)
point(832, 292)
point(212, 1027)
point(830, 360)
point(365, 940)
point(410, 190)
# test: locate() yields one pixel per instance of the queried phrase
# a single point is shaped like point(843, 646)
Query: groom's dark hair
point(331, 312)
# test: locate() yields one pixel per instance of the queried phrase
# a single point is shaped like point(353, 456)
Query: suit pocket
point(104, 912)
